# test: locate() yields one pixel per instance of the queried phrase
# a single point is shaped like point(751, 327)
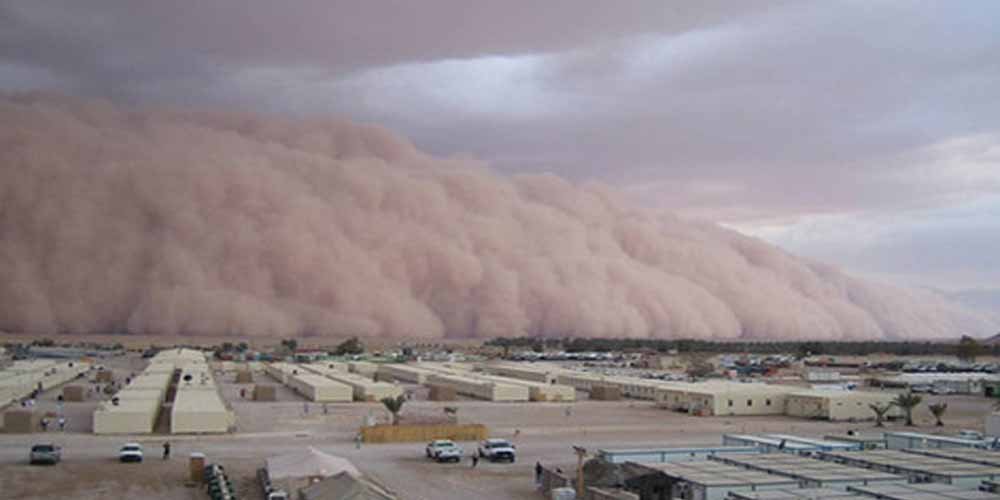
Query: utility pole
point(581, 454)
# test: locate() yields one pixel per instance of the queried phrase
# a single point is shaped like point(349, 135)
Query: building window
point(730, 403)
point(749, 402)
point(767, 402)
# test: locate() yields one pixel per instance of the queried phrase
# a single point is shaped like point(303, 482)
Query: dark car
point(46, 453)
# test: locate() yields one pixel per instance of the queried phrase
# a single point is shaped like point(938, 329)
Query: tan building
point(837, 405)
point(365, 389)
point(479, 388)
point(319, 388)
point(404, 373)
point(723, 398)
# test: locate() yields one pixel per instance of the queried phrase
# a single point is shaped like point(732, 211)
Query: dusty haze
point(206, 223)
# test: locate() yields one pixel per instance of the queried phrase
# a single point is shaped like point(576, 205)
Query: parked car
point(444, 450)
point(497, 449)
point(45, 453)
point(131, 452)
point(973, 435)
point(920, 388)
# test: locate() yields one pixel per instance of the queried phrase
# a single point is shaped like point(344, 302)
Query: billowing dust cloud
point(205, 223)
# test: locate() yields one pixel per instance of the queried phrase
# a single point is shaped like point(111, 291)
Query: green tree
point(880, 411)
point(907, 402)
point(968, 349)
point(394, 405)
point(350, 346)
point(938, 409)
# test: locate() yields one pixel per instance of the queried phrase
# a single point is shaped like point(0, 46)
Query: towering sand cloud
point(174, 222)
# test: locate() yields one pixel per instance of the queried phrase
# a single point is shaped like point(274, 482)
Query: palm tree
point(908, 401)
point(880, 411)
point(394, 405)
point(938, 410)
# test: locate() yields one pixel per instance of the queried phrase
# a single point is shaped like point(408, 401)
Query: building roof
point(308, 462)
point(975, 456)
point(913, 463)
point(714, 474)
point(921, 491)
point(657, 455)
point(345, 486)
point(970, 443)
point(802, 467)
point(818, 443)
point(770, 441)
point(794, 494)
point(198, 401)
point(841, 394)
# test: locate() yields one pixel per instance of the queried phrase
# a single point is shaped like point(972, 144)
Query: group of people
point(61, 421)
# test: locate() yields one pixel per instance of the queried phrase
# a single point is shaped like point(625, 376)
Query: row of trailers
point(713, 397)
point(820, 475)
point(332, 382)
point(24, 377)
point(343, 382)
point(178, 382)
point(478, 384)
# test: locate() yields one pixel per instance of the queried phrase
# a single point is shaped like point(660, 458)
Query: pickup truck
point(444, 450)
point(497, 449)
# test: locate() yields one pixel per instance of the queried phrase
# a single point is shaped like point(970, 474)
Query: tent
point(346, 486)
point(309, 462)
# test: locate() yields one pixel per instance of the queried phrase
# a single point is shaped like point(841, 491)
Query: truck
point(443, 450)
point(497, 449)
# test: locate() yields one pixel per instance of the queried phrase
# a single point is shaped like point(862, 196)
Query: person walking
point(357, 441)
point(62, 424)
point(166, 450)
point(45, 423)
point(538, 473)
point(475, 460)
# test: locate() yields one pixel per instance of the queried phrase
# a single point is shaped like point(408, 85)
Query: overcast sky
point(863, 133)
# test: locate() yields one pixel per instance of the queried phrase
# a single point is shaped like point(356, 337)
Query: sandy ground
point(542, 432)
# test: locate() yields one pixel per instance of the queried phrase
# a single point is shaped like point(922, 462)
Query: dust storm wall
point(163, 221)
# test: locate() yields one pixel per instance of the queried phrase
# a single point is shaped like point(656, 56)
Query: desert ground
point(542, 432)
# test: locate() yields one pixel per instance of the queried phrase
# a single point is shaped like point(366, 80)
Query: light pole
point(581, 453)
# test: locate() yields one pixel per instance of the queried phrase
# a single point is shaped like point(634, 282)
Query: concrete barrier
point(418, 433)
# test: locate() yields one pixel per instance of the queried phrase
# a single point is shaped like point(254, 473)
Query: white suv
point(444, 450)
point(497, 449)
point(131, 452)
